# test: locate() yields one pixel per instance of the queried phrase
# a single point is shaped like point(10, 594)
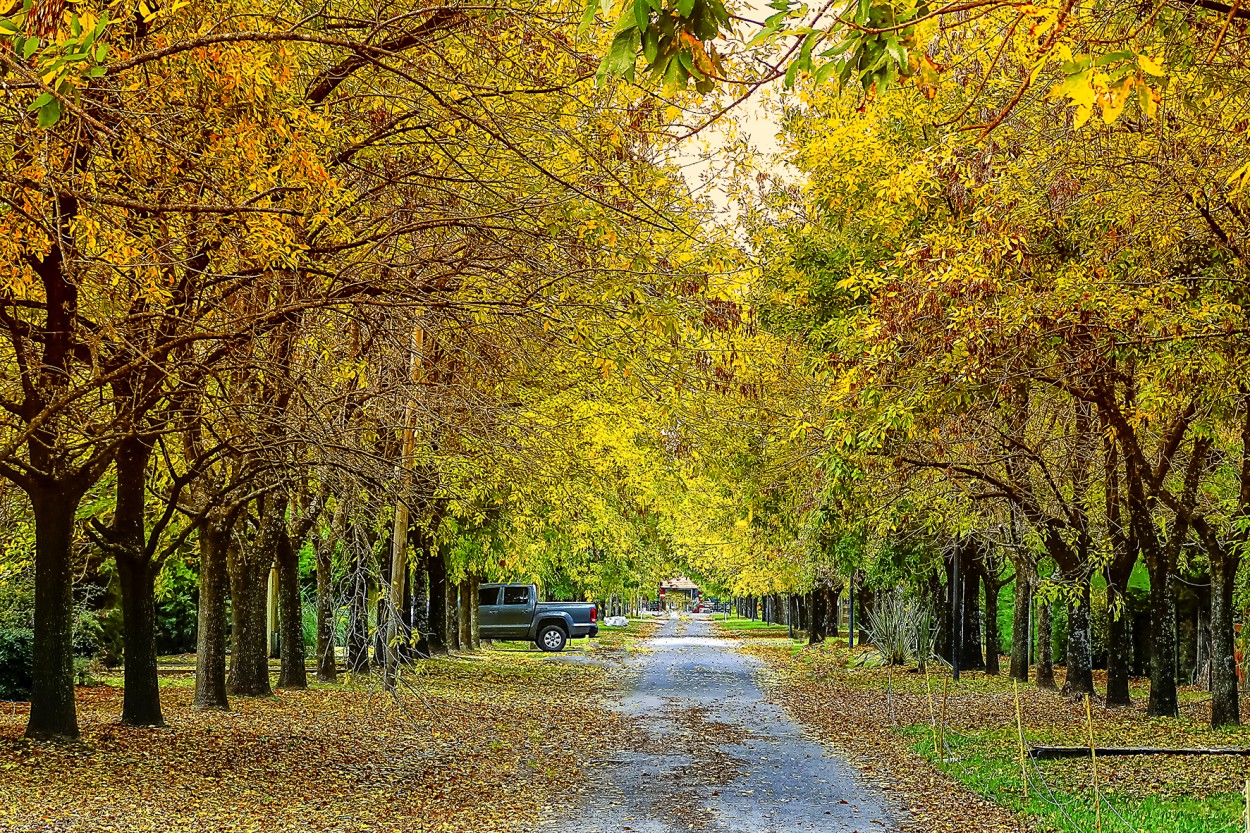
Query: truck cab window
point(516, 595)
point(488, 596)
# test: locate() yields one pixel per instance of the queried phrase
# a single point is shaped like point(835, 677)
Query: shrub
point(902, 628)
point(890, 626)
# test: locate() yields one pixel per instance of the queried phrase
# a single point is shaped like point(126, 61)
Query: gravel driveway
point(716, 756)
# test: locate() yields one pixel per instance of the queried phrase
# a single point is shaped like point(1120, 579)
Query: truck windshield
point(516, 595)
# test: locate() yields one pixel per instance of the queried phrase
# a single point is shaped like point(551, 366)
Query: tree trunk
point(465, 615)
point(993, 645)
point(1045, 648)
point(1119, 634)
point(1163, 699)
point(1225, 708)
point(327, 667)
point(141, 695)
point(438, 601)
point(1080, 677)
point(249, 596)
point(421, 601)
point(1022, 595)
point(815, 618)
point(475, 632)
point(970, 657)
point(293, 671)
point(452, 610)
point(210, 637)
point(52, 710)
point(136, 573)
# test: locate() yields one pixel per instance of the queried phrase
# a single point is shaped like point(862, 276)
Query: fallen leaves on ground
point(488, 745)
point(880, 715)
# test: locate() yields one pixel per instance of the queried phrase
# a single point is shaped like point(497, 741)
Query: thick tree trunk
point(970, 658)
point(1022, 596)
point(141, 696)
point(421, 601)
point(1225, 708)
point(136, 573)
point(210, 637)
point(1080, 677)
point(249, 653)
point(293, 671)
point(52, 710)
point(438, 602)
point(1163, 698)
point(1045, 647)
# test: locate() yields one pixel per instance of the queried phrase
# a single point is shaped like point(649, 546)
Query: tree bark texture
point(52, 709)
point(1225, 707)
point(1080, 677)
point(210, 637)
point(1045, 648)
point(1022, 595)
point(293, 672)
point(438, 601)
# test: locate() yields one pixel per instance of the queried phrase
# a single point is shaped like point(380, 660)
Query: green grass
point(981, 765)
point(737, 623)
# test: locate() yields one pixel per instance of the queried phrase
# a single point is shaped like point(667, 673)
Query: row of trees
point(1021, 348)
point(394, 288)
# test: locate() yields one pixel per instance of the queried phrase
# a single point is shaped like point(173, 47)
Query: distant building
point(679, 592)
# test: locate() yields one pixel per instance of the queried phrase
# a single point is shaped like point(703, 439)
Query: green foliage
point(16, 653)
point(176, 607)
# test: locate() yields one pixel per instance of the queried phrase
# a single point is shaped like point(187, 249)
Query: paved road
point(715, 756)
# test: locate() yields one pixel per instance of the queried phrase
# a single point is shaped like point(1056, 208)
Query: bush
point(17, 647)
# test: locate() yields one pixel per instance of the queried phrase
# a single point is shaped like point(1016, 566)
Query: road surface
point(715, 756)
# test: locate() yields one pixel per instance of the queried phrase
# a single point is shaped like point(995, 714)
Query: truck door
point(488, 611)
point(516, 613)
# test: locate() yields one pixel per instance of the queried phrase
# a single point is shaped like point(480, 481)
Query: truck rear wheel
point(552, 639)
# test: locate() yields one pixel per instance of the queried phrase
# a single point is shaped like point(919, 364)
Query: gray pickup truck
point(512, 611)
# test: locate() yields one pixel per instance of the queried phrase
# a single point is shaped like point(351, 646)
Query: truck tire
point(552, 638)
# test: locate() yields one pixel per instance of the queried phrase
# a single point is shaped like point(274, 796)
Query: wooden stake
point(1024, 770)
point(942, 725)
point(1093, 762)
point(1247, 805)
point(933, 717)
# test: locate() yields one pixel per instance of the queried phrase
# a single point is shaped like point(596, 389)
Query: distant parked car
point(512, 611)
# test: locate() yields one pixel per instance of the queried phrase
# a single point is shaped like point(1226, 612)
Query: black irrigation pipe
point(1049, 753)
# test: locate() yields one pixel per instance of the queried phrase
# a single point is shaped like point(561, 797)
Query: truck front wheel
point(552, 638)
